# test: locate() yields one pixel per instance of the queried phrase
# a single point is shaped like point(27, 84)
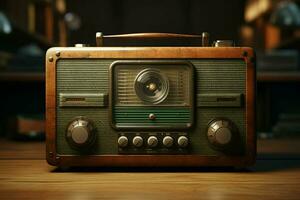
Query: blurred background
point(29, 27)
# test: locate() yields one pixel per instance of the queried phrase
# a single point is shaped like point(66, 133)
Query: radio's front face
point(150, 106)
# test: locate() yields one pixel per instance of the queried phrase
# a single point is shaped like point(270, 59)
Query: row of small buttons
point(152, 141)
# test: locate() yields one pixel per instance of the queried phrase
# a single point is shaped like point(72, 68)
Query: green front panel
point(84, 76)
point(91, 76)
point(219, 77)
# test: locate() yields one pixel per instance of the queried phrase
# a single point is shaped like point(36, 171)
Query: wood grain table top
point(24, 174)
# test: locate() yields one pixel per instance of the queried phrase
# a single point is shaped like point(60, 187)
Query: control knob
point(152, 141)
point(222, 133)
point(137, 141)
point(123, 141)
point(81, 133)
point(182, 141)
point(168, 141)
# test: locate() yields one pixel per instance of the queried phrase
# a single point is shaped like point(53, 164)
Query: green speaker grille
point(85, 76)
point(225, 76)
point(141, 115)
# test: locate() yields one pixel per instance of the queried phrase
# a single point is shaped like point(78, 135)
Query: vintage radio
point(182, 103)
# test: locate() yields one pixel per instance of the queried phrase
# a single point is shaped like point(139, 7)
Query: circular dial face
point(80, 133)
point(151, 86)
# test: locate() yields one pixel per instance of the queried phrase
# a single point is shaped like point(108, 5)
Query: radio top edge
point(157, 39)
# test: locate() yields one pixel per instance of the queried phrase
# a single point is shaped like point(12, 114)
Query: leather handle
point(150, 39)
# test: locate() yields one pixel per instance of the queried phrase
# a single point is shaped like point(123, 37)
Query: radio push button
point(168, 141)
point(123, 141)
point(137, 141)
point(152, 141)
point(182, 141)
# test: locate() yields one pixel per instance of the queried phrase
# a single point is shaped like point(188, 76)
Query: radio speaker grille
point(220, 76)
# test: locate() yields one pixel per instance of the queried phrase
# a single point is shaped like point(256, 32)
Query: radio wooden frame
point(54, 54)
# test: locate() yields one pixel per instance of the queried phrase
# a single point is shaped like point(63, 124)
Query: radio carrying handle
point(152, 39)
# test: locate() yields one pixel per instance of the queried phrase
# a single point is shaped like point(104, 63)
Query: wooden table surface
point(24, 174)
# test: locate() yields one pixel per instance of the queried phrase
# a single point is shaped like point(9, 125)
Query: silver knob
point(80, 133)
point(168, 141)
point(152, 141)
point(137, 141)
point(123, 141)
point(222, 133)
point(182, 141)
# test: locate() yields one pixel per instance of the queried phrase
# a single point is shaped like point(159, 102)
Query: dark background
point(219, 17)
point(23, 93)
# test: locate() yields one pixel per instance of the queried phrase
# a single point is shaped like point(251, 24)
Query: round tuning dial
point(81, 133)
point(221, 133)
point(123, 141)
point(168, 141)
point(152, 141)
point(137, 141)
point(182, 141)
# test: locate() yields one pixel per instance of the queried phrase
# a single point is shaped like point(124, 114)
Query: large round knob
point(122, 141)
point(182, 141)
point(152, 141)
point(168, 141)
point(221, 133)
point(137, 141)
point(80, 133)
